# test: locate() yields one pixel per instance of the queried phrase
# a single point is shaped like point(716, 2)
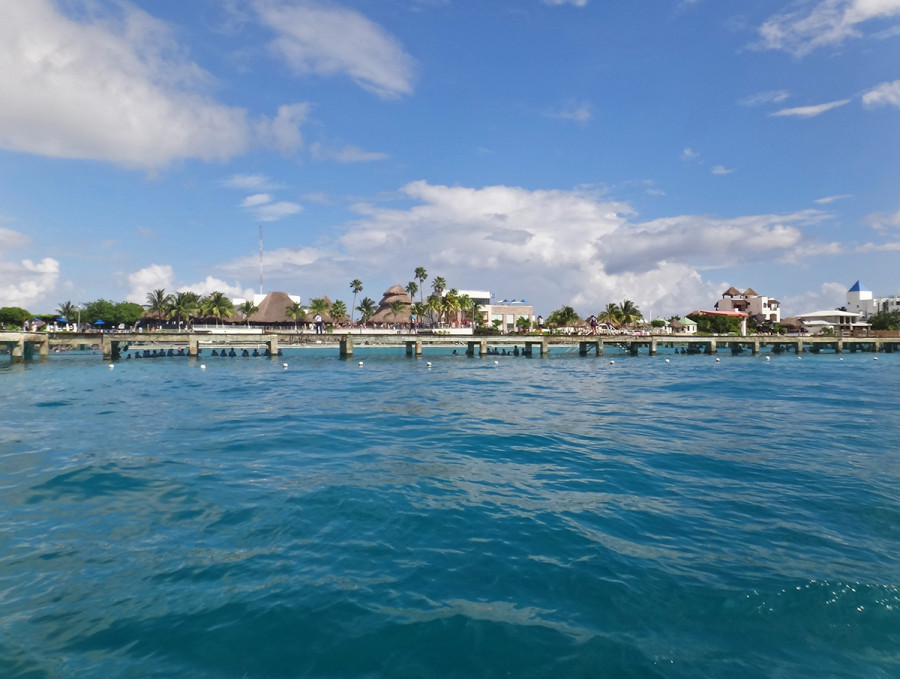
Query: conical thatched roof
point(750, 292)
point(395, 293)
point(731, 292)
point(273, 309)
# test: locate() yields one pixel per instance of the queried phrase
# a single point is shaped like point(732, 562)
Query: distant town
point(456, 310)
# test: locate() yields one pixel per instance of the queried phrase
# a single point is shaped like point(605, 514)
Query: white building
point(507, 311)
point(834, 319)
point(751, 303)
point(860, 300)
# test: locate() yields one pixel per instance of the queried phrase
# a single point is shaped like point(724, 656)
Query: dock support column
point(110, 348)
point(193, 347)
point(347, 346)
point(414, 348)
point(17, 351)
point(756, 348)
point(839, 347)
point(272, 343)
point(653, 347)
point(712, 346)
point(633, 348)
point(798, 347)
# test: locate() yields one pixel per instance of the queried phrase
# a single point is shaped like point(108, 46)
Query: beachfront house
point(840, 322)
point(506, 311)
point(751, 303)
point(684, 326)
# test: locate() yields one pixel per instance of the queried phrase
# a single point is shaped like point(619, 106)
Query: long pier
point(28, 345)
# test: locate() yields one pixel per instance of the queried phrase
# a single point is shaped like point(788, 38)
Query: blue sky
point(562, 151)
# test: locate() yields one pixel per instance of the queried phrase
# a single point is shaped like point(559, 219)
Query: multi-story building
point(507, 311)
point(751, 303)
point(860, 300)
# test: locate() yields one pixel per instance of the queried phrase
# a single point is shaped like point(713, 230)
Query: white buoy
point(841, 358)
point(612, 362)
point(360, 364)
point(768, 358)
point(284, 365)
point(718, 359)
point(428, 364)
point(202, 366)
point(667, 360)
point(111, 366)
point(496, 362)
point(799, 358)
point(874, 358)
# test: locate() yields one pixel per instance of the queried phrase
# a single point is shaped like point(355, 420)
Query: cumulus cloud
point(256, 199)
point(321, 39)
point(571, 245)
point(830, 295)
point(828, 22)
point(283, 132)
point(810, 111)
point(115, 88)
point(689, 155)
point(26, 282)
point(721, 170)
point(885, 94)
point(212, 284)
point(881, 220)
point(148, 279)
point(251, 182)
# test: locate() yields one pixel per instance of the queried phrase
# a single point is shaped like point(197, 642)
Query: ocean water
point(556, 517)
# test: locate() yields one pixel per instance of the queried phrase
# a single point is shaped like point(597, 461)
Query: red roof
point(736, 314)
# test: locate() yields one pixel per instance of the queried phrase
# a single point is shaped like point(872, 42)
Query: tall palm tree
point(438, 285)
point(158, 302)
point(338, 311)
point(367, 309)
point(450, 304)
point(421, 275)
point(397, 307)
point(184, 305)
point(411, 289)
point(295, 311)
point(319, 306)
point(563, 317)
point(217, 305)
point(611, 315)
point(435, 306)
point(419, 309)
point(356, 286)
point(630, 313)
point(247, 309)
point(67, 310)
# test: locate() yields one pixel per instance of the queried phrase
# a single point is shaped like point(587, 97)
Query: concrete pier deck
point(28, 345)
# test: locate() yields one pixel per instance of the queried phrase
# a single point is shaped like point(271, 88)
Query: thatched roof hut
point(273, 309)
point(731, 292)
point(384, 314)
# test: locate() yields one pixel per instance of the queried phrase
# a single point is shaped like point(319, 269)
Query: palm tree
point(184, 305)
point(611, 315)
point(438, 285)
point(435, 305)
point(218, 305)
point(630, 313)
point(338, 311)
point(450, 304)
point(67, 310)
point(158, 302)
point(367, 309)
point(419, 310)
point(465, 308)
point(411, 289)
point(356, 286)
point(563, 317)
point(247, 309)
point(397, 307)
point(295, 311)
point(420, 276)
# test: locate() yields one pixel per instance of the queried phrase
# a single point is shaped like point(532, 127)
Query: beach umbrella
point(100, 322)
point(62, 319)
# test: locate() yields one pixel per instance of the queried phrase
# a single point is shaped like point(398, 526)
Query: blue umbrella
point(62, 319)
point(100, 322)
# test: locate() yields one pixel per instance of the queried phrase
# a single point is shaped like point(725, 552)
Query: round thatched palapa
point(384, 314)
point(273, 309)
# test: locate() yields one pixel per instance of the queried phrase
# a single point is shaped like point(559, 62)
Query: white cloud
point(881, 221)
point(13, 239)
point(573, 246)
point(761, 98)
point(252, 182)
point(323, 40)
point(148, 279)
point(577, 111)
point(829, 296)
point(830, 22)
point(689, 155)
point(347, 154)
point(256, 199)
point(115, 88)
point(575, 3)
point(810, 111)
point(25, 283)
point(213, 284)
point(272, 212)
point(885, 94)
point(283, 133)
point(830, 199)
point(721, 170)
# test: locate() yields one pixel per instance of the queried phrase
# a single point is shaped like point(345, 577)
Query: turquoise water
point(557, 517)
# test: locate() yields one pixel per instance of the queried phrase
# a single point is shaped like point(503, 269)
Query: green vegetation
point(13, 317)
point(885, 320)
point(716, 325)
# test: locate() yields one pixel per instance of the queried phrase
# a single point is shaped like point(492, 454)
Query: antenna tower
point(260, 261)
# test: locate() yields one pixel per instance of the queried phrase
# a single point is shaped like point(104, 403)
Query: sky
point(566, 152)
